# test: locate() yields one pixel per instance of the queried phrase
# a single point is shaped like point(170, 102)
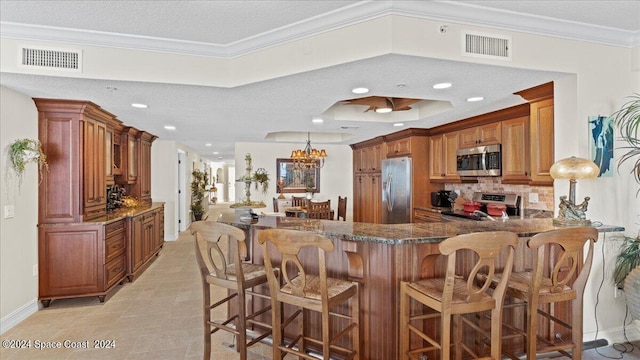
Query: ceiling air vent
point(51, 59)
point(488, 46)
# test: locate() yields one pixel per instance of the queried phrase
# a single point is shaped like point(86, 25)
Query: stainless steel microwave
point(479, 161)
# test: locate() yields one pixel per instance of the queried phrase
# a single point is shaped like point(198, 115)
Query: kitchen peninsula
point(379, 256)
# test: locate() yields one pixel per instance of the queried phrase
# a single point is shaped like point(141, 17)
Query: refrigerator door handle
point(388, 192)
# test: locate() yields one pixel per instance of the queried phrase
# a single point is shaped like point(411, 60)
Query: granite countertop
point(400, 233)
point(113, 216)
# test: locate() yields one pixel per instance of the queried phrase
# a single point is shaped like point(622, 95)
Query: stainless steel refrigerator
point(396, 190)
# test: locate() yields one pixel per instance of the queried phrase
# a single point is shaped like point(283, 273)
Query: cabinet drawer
point(114, 245)
point(115, 227)
point(114, 271)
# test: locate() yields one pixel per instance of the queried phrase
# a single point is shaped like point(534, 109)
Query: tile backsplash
point(491, 184)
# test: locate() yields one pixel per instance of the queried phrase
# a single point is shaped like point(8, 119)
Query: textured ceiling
point(258, 111)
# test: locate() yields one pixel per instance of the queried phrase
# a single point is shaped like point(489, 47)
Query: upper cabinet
point(399, 147)
point(74, 138)
point(487, 134)
point(129, 156)
point(541, 124)
point(367, 156)
point(442, 157)
point(142, 187)
point(516, 164)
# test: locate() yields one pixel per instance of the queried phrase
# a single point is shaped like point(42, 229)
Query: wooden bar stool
point(457, 294)
point(559, 274)
point(238, 277)
point(312, 292)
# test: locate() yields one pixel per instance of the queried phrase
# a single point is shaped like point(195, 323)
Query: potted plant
point(627, 269)
point(198, 188)
point(23, 151)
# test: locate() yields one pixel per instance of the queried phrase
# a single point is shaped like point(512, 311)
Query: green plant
point(23, 151)
point(261, 177)
point(627, 119)
point(628, 258)
point(198, 188)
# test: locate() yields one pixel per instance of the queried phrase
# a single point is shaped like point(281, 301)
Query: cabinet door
point(436, 165)
point(68, 260)
point(148, 236)
point(490, 134)
point(359, 160)
point(375, 192)
point(541, 145)
point(515, 150)
point(108, 155)
point(136, 244)
point(400, 147)
point(469, 137)
point(359, 198)
point(450, 144)
point(144, 175)
point(94, 174)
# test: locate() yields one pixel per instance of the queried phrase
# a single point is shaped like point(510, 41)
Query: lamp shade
point(574, 168)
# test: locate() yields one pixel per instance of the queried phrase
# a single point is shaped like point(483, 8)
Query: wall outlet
point(533, 198)
point(35, 270)
point(9, 211)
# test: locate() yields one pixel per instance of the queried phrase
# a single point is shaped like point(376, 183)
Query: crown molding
point(449, 11)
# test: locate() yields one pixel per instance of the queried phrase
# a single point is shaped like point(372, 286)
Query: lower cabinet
point(144, 240)
point(368, 198)
point(88, 259)
point(426, 216)
point(79, 260)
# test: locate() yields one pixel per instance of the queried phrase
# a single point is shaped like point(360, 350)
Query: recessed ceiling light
point(360, 90)
point(398, 124)
point(442, 86)
point(317, 120)
point(220, 157)
point(475, 98)
point(169, 127)
point(216, 153)
point(384, 110)
point(139, 106)
point(208, 144)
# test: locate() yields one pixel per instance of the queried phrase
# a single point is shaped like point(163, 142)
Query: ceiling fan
point(382, 104)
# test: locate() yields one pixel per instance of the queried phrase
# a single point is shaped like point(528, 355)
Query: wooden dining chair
point(560, 272)
point(236, 276)
point(299, 201)
point(319, 210)
point(303, 290)
point(342, 208)
point(454, 295)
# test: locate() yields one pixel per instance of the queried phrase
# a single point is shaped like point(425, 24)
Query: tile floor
point(156, 317)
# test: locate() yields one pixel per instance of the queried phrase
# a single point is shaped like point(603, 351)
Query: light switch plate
point(9, 211)
point(533, 198)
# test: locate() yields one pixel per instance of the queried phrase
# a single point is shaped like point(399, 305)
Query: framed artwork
point(292, 179)
point(601, 143)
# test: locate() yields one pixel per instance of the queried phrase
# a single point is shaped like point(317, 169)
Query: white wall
point(336, 176)
point(18, 235)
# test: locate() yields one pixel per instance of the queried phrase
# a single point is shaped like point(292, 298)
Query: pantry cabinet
point(367, 193)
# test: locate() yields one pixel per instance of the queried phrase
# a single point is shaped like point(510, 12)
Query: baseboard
point(616, 335)
point(170, 237)
point(18, 315)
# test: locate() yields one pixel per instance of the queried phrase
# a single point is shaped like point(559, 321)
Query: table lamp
point(573, 168)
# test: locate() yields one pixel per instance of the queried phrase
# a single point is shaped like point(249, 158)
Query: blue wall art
point(601, 143)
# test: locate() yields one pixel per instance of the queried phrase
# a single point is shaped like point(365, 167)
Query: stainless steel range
point(490, 202)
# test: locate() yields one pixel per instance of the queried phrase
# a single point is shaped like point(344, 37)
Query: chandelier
point(308, 157)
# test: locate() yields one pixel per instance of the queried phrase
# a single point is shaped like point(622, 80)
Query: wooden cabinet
point(142, 188)
point(368, 198)
point(73, 136)
point(113, 158)
point(144, 241)
point(129, 157)
point(94, 175)
point(516, 164)
point(541, 145)
point(399, 147)
point(541, 124)
point(442, 157)
point(426, 216)
point(82, 260)
point(367, 157)
point(487, 134)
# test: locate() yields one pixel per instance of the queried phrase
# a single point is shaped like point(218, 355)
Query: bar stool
point(455, 295)
point(555, 278)
point(238, 277)
point(312, 292)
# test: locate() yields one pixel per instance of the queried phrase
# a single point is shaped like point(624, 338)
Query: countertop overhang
point(398, 234)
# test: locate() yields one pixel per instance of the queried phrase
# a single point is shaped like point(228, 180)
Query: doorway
point(182, 186)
